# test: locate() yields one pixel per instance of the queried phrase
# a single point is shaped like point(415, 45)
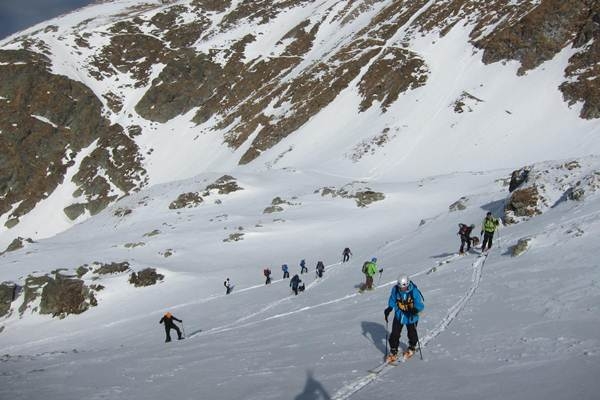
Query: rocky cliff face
point(163, 59)
point(46, 121)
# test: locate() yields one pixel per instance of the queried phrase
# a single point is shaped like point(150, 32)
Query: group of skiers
point(488, 227)
point(405, 300)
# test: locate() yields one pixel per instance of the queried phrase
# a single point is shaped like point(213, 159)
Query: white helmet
point(403, 281)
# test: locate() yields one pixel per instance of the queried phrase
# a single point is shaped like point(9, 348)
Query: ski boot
point(392, 357)
point(408, 353)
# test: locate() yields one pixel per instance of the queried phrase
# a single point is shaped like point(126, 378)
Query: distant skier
point(407, 302)
point(167, 319)
point(295, 284)
point(228, 286)
point(267, 274)
point(320, 269)
point(464, 231)
point(286, 273)
point(303, 267)
point(346, 254)
point(488, 227)
point(369, 269)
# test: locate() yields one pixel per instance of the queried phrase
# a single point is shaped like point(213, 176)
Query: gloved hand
point(403, 307)
point(387, 312)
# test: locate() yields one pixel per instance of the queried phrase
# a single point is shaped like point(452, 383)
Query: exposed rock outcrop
point(190, 199)
point(521, 247)
point(363, 195)
point(145, 277)
point(41, 110)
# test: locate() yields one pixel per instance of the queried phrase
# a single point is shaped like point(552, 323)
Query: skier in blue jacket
point(407, 302)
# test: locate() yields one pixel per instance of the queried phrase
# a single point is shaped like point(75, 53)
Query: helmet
point(403, 281)
point(374, 259)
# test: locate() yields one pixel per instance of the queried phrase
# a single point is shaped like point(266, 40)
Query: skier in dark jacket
point(303, 268)
point(320, 269)
point(228, 286)
point(407, 302)
point(295, 283)
point(167, 319)
point(346, 254)
point(464, 231)
point(267, 274)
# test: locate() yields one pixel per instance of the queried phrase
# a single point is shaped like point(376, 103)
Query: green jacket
point(371, 268)
point(489, 224)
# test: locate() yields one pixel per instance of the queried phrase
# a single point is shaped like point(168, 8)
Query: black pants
point(228, 289)
point(487, 240)
point(168, 332)
point(303, 270)
point(346, 257)
point(411, 329)
point(465, 239)
point(268, 280)
point(319, 273)
point(295, 289)
point(286, 274)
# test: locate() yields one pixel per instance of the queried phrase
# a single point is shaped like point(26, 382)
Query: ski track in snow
point(353, 387)
point(237, 325)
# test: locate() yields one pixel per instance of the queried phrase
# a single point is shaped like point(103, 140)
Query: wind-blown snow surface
point(494, 328)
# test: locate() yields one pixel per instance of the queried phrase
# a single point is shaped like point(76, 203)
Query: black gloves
point(387, 312)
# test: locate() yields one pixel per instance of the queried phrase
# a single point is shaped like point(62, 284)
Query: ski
point(383, 366)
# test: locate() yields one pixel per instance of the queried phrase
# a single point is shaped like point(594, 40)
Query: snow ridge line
point(353, 387)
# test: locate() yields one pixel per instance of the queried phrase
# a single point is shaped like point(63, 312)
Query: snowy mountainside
point(124, 94)
point(526, 322)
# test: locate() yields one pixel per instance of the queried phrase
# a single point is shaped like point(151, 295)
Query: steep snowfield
point(495, 327)
point(507, 120)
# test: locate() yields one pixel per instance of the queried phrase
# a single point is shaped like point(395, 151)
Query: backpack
point(365, 266)
point(320, 265)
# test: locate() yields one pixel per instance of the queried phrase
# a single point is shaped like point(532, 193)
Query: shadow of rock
point(495, 207)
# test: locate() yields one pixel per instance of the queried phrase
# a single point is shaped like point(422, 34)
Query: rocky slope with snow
point(150, 149)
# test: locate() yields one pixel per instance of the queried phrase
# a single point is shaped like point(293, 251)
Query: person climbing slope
point(406, 301)
point(295, 283)
point(167, 319)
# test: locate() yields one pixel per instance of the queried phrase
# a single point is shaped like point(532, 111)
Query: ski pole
point(183, 329)
point(419, 343)
point(499, 240)
point(386, 338)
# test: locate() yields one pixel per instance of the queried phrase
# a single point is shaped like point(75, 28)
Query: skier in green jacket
point(369, 269)
point(488, 227)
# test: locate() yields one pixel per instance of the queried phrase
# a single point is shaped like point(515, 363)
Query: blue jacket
point(412, 295)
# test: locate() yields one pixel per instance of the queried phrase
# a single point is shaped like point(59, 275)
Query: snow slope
point(510, 120)
point(498, 327)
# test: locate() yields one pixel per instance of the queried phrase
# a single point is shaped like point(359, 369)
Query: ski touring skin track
point(353, 387)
